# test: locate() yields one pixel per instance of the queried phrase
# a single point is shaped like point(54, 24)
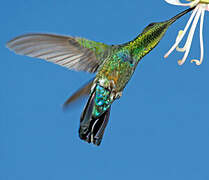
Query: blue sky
point(158, 130)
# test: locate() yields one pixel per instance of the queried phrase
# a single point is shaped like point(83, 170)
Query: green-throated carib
point(114, 65)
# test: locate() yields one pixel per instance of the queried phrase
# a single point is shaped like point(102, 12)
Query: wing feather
point(74, 53)
point(83, 91)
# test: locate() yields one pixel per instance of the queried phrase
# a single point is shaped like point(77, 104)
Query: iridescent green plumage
point(114, 64)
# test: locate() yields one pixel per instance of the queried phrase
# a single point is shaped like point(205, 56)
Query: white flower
point(198, 13)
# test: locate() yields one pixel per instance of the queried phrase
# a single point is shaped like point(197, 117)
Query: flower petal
point(175, 2)
point(179, 3)
point(190, 37)
point(198, 62)
point(207, 7)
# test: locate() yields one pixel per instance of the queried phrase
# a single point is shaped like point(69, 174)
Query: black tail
point(92, 129)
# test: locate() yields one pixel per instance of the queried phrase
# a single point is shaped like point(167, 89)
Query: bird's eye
point(150, 25)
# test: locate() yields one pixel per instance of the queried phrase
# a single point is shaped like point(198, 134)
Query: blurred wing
point(71, 52)
point(83, 91)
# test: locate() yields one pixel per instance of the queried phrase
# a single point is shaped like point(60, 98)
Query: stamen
point(178, 39)
point(198, 62)
point(190, 37)
point(204, 1)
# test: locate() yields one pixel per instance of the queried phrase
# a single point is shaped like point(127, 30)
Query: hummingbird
point(114, 66)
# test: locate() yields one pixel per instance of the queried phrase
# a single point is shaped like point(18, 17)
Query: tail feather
point(92, 128)
point(85, 120)
point(99, 126)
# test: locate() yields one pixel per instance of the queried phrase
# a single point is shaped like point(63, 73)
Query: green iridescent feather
point(100, 49)
point(102, 101)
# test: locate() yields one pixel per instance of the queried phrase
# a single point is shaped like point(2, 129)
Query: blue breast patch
point(124, 56)
point(102, 100)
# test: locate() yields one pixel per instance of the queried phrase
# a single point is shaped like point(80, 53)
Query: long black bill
point(173, 19)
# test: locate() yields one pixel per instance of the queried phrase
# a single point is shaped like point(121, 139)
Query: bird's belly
point(117, 72)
